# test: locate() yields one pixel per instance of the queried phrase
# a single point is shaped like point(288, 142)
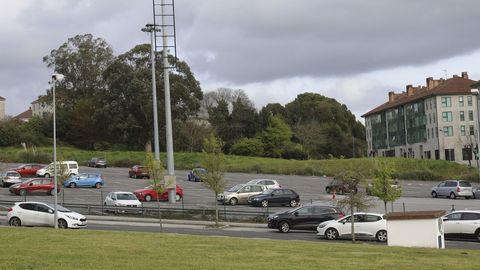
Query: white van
point(69, 168)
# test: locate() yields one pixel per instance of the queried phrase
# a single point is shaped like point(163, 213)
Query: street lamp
point(152, 28)
point(56, 78)
point(476, 92)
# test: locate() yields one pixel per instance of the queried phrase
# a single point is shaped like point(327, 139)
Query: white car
point(369, 225)
point(462, 224)
point(69, 168)
point(269, 183)
point(10, 178)
point(122, 198)
point(42, 214)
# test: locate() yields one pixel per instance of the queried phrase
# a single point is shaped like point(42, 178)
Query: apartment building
point(40, 108)
point(435, 121)
point(2, 108)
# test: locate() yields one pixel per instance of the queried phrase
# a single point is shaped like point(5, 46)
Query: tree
point(157, 174)
point(189, 135)
point(248, 147)
point(352, 177)
point(214, 164)
point(383, 186)
point(275, 137)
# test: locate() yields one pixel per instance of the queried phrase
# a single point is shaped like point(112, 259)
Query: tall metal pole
point(55, 191)
point(168, 113)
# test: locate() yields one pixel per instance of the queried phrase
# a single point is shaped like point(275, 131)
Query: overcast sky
point(354, 51)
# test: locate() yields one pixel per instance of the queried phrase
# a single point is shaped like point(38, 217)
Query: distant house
point(2, 108)
point(40, 108)
point(24, 116)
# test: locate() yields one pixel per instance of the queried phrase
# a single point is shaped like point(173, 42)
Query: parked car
point(195, 174)
point(453, 189)
point(122, 198)
point(28, 170)
point(42, 214)
point(10, 178)
point(368, 189)
point(97, 162)
point(138, 171)
point(269, 183)
point(148, 194)
point(34, 185)
point(305, 217)
point(338, 186)
point(476, 193)
point(277, 196)
point(240, 193)
point(69, 168)
point(84, 180)
point(462, 224)
point(367, 225)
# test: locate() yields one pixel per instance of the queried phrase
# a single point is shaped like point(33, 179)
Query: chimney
point(464, 75)
point(391, 96)
point(409, 90)
point(429, 83)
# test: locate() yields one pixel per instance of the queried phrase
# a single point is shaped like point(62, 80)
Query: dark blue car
point(85, 180)
point(195, 173)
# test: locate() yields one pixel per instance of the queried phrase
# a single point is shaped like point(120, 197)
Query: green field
point(44, 248)
point(405, 168)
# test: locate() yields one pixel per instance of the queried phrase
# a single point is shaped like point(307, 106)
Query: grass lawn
point(44, 248)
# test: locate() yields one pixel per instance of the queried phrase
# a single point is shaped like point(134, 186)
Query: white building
point(436, 121)
point(40, 108)
point(2, 108)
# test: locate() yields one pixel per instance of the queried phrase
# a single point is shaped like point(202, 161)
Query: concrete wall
point(415, 233)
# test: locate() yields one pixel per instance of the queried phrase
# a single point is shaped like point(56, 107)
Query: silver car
point(453, 189)
point(240, 193)
point(10, 178)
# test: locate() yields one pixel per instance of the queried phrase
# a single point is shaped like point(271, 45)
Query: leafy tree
point(248, 147)
point(275, 137)
point(214, 163)
point(271, 109)
point(157, 174)
point(34, 131)
point(189, 135)
point(383, 186)
point(9, 134)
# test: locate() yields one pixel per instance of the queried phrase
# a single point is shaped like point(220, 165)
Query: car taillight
point(458, 189)
point(9, 209)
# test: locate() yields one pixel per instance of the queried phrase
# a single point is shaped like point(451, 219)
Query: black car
point(277, 196)
point(97, 162)
point(303, 218)
point(338, 186)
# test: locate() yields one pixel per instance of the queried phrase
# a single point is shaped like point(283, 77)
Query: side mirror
point(445, 219)
point(31, 184)
point(271, 194)
point(114, 199)
point(344, 221)
point(296, 214)
point(51, 211)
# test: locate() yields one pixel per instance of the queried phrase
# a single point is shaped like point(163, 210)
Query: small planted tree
point(354, 200)
point(383, 186)
point(62, 176)
point(214, 164)
point(156, 171)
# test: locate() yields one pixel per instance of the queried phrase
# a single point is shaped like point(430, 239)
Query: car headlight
point(71, 217)
point(256, 199)
point(274, 217)
point(322, 225)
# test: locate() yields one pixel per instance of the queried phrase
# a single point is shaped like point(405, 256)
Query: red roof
point(453, 86)
point(24, 115)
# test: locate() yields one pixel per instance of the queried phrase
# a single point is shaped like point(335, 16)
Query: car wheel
point(178, 197)
point(327, 190)
point(381, 236)
point(72, 185)
point(233, 201)
point(47, 175)
point(62, 224)
point(14, 221)
point(264, 203)
point(453, 196)
point(293, 203)
point(148, 198)
point(434, 194)
point(477, 234)
point(284, 227)
point(22, 192)
point(331, 234)
point(98, 185)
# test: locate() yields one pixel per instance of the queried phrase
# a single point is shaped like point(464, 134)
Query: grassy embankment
point(43, 248)
point(405, 168)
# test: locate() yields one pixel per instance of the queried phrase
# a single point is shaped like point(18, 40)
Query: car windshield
point(60, 208)
point(235, 188)
point(126, 196)
point(12, 174)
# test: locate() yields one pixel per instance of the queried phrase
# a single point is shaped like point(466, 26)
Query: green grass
point(405, 168)
point(43, 248)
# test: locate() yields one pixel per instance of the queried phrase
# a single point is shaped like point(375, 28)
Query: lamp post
point(55, 78)
point(152, 28)
point(476, 92)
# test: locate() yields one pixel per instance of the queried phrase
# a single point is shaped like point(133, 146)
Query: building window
point(429, 118)
point(469, 100)
point(447, 116)
point(462, 131)
point(434, 118)
point(433, 134)
point(428, 133)
point(472, 130)
point(436, 133)
point(462, 116)
point(446, 101)
point(450, 154)
point(470, 115)
point(448, 131)
point(460, 101)
point(467, 153)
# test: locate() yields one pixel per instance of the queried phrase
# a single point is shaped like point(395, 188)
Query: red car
point(138, 171)
point(28, 170)
point(35, 185)
point(148, 194)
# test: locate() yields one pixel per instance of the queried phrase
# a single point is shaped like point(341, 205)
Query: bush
point(248, 147)
point(29, 157)
point(294, 151)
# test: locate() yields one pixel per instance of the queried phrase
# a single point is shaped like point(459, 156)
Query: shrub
point(248, 147)
point(294, 151)
point(29, 157)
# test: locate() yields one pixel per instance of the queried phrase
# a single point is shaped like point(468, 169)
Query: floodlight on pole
point(152, 28)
